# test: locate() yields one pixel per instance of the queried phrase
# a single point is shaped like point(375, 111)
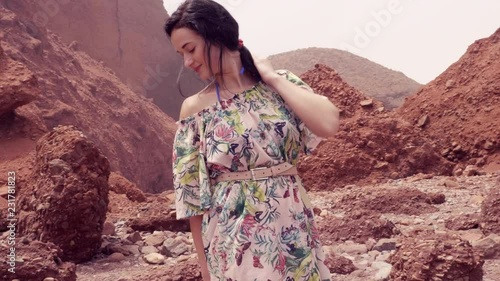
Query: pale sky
point(420, 38)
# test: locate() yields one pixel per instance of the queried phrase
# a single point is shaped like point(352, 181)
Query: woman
point(235, 152)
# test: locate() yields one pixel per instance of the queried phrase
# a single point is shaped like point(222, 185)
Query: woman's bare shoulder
point(195, 103)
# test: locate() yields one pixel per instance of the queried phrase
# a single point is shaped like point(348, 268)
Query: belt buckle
point(253, 174)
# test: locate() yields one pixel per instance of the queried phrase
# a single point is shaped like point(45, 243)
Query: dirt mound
point(406, 201)
point(458, 110)
point(370, 146)
point(490, 212)
point(436, 257)
point(369, 150)
point(36, 261)
point(374, 80)
point(358, 226)
point(327, 82)
point(65, 199)
point(129, 129)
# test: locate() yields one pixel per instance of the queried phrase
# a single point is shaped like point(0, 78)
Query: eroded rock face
point(35, 261)
point(436, 257)
point(18, 85)
point(490, 212)
point(65, 200)
point(129, 129)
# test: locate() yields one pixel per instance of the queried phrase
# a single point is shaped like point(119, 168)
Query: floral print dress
point(251, 229)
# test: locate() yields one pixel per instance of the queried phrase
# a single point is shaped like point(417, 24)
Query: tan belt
point(283, 169)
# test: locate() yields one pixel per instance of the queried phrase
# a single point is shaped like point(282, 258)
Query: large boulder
point(66, 198)
point(430, 256)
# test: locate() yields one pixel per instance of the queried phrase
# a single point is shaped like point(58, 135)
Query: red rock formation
point(132, 132)
point(458, 110)
point(370, 146)
point(18, 85)
point(436, 257)
point(126, 35)
point(65, 199)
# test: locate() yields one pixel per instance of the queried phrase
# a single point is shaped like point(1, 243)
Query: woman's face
point(191, 46)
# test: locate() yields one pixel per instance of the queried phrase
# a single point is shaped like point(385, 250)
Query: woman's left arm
point(316, 111)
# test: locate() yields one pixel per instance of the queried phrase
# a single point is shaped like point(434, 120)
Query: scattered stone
point(149, 249)
point(463, 222)
point(384, 270)
point(437, 198)
point(174, 247)
point(133, 249)
point(458, 172)
point(366, 103)
point(422, 121)
point(385, 245)
point(108, 228)
point(134, 237)
point(451, 183)
point(154, 240)
point(351, 248)
point(116, 257)
point(471, 235)
point(471, 170)
point(489, 246)
point(154, 258)
point(323, 213)
point(339, 265)
point(449, 84)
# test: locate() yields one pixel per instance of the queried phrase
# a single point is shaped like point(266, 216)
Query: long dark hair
point(216, 26)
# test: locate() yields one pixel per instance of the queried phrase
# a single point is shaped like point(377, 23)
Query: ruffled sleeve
point(191, 182)
point(308, 139)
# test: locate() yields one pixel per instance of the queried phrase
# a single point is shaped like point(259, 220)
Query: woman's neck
point(235, 79)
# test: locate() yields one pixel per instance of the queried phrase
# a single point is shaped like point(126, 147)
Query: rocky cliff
point(126, 35)
point(46, 83)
